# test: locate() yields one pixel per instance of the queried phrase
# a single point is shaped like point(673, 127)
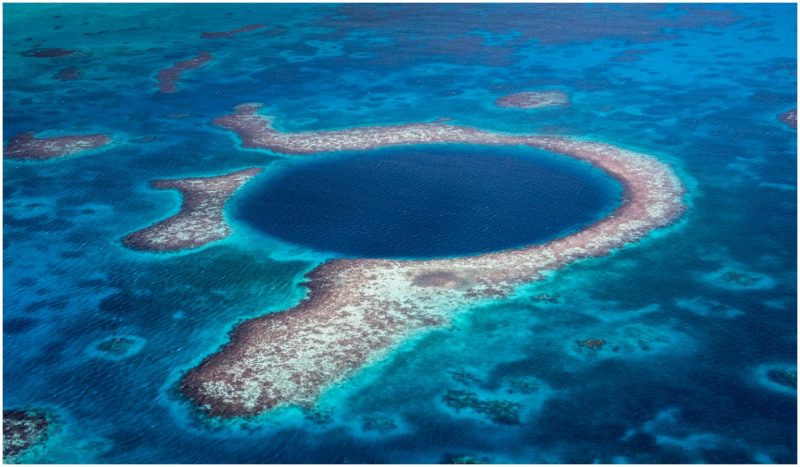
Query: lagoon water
point(694, 318)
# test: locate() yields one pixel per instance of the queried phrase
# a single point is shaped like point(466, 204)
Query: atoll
point(27, 146)
point(230, 33)
point(498, 411)
point(23, 429)
point(200, 219)
point(168, 77)
point(358, 310)
point(533, 100)
point(789, 118)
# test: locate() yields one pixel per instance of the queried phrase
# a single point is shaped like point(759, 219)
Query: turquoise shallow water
point(692, 318)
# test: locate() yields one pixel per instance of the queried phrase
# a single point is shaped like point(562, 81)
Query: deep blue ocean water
point(428, 201)
point(698, 86)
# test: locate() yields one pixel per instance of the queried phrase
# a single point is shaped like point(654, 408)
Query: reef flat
point(200, 218)
point(21, 431)
point(357, 310)
point(27, 146)
point(533, 100)
point(169, 77)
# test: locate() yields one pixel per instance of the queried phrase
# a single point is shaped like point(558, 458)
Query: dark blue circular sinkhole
point(427, 201)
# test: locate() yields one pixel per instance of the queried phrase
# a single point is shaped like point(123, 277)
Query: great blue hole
point(426, 201)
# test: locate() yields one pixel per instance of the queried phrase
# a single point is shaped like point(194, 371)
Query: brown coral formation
point(533, 100)
point(27, 146)
point(358, 310)
point(200, 219)
point(169, 77)
point(21, 431)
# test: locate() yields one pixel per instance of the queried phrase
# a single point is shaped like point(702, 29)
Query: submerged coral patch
point(499, 411)
point(738, 279)
point(533, 100)
point(22, 430)
point(780, 378)
point(117, 347)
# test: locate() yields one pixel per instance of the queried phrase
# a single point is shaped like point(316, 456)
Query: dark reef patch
point(498, 411)
point(117, 347)
point(784, 377)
